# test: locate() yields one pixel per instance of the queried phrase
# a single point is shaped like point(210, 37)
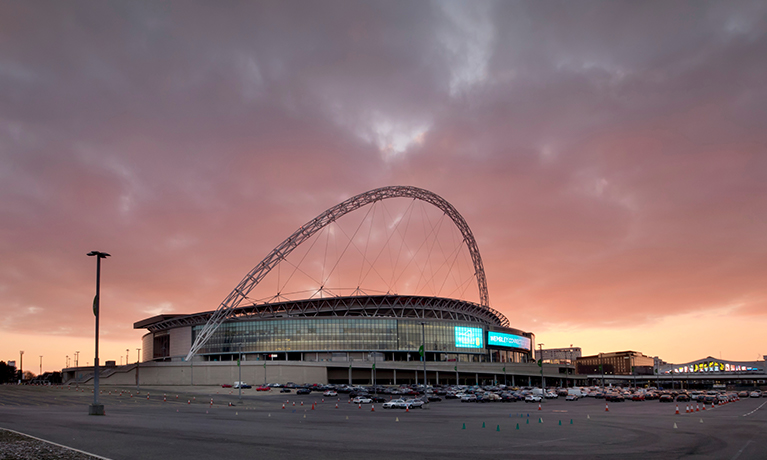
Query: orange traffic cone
point(712, 404)
point(147, 396)
point(607, 409)
point(350, 401)
point(164, 399)
point(677, 409)
point(323, 399)
point(539, 406)
point(302, 403)
point(697, 407)
point(189, 401)
point(360, 406)
point(704, 406)
point(336, 405)
point(407, 409)
point(283, 405)
point(294, 404)
point(372, 408)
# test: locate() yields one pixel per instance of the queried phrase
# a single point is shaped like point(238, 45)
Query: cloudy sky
point(610, 158)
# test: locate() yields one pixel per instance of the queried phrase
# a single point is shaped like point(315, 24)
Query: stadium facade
point(393, 327)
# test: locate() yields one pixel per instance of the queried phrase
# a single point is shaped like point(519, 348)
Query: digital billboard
point(468, 337)
point(499, 339)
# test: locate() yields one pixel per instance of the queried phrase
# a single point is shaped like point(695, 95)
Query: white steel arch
point(258, 273)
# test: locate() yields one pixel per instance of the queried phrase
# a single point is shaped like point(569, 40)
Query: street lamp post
point(41, 365)
point(96, 408)
point(21, 366)
point(540, 363)
point(138, 362)
point(423, 353)
point(77, 359)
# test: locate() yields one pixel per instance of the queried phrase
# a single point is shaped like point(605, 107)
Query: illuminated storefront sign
point(500, 339)
point(468, 337)
point(706, 367)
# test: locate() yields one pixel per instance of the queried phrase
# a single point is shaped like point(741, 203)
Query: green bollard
point(517, 425)
point(560, 423)
point(571, 421)
point(464, 426)
point(540, 419)
point(498, 428)
point(483, 424)
point(528, 421)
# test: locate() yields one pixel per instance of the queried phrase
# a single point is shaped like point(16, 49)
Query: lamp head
point(101, 255)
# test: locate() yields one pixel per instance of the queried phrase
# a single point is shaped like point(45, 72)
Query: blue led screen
point(468, 337)
point(500, 339)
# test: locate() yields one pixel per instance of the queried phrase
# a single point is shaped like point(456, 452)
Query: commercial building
point(560, 355)
point(616, 363)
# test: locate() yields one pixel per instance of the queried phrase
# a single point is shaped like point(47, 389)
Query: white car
point(533, 398)
point(411, 403)
point(756, 394)
point(551, 395)
point(330, 393)
point(362, 400)
point(395, 404)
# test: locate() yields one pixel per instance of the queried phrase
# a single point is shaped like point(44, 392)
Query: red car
point(226, 385)
point(263, 388)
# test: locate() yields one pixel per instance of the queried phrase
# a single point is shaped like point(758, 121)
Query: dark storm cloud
point(606, 154)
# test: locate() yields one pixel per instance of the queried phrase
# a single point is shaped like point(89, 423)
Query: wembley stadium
point(357, 337)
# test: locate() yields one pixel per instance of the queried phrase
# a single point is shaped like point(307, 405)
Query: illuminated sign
point(711, 366)
point(468, 337)
point(500, 339)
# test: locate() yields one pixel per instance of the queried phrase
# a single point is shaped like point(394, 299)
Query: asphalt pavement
point(181, 422)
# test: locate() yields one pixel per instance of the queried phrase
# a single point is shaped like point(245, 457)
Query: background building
point(616, 363)
point(560, 355)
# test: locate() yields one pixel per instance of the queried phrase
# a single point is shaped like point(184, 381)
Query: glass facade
point(334, 334)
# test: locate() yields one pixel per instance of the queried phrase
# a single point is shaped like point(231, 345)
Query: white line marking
point(56, 444)
point(741, 450)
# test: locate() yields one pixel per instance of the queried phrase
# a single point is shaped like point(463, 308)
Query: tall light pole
point(77, 359)
point(96, 408)
point(21, 365)
point(540, 363)
point(41, 365)
point(67, 356)
point(127, 351)
point(423, 354)
point(138, 361)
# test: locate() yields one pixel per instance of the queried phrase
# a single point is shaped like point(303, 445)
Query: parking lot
point(181, 422)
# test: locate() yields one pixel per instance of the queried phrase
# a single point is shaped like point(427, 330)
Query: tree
point(7, 373)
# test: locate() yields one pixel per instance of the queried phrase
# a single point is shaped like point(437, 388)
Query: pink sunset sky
point(610, 158)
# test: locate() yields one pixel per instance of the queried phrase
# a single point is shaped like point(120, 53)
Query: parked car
point(638, 397)
point(666, 398)
point(571, 398)
point(362, 400)
point(241, 385)
point(378, 399)
point(469, 398)
point(614, 397)
point(683, 397)
point(285, 390)
point(756, 394)
point(303, 391)
point(226, 385)
point(262, 388)
point(394, 404)
point(434, 397)
point(413, 403)
point(330, 393)
point(533, 398)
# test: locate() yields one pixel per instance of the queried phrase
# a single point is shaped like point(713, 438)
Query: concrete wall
point(180, 340)
point(215, 373)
